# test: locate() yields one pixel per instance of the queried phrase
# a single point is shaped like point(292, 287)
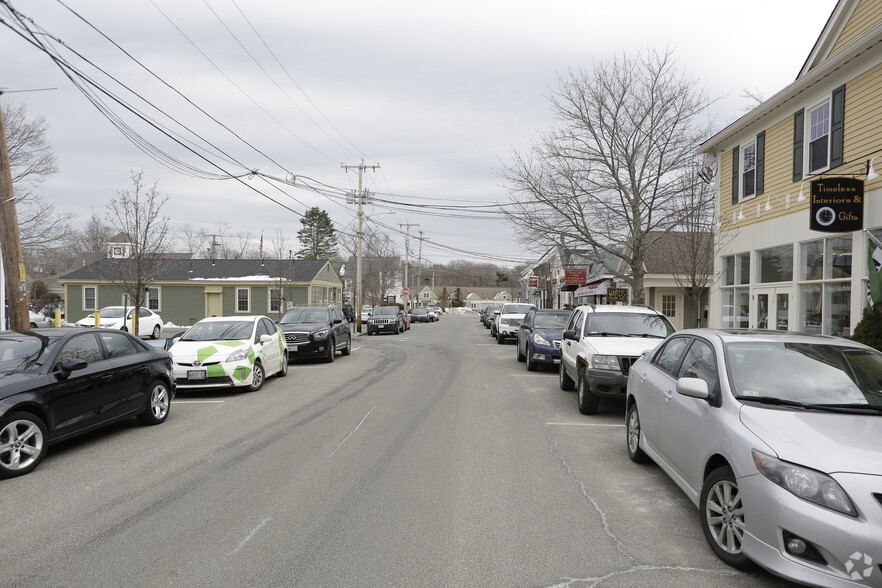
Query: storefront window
point(838, 258)
point(775, 264)
point(811, 307)
point(729, 270)
point(812, 260)
point(736, 308)
point(743, 263)
point(837, 298)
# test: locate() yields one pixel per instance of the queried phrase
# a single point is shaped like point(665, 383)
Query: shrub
point(869, 330)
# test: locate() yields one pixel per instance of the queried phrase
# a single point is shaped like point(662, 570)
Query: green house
point(188, 290)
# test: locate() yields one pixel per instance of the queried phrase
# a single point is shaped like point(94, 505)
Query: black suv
point(316, 331)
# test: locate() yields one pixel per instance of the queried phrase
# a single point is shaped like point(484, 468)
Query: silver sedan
point(777, 439)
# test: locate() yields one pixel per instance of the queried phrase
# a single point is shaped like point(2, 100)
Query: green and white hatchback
point(228, 351)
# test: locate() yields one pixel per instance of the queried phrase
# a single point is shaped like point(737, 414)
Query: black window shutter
point(735, 166)
point(798, 133)
point(837, 126)
point(760, 162)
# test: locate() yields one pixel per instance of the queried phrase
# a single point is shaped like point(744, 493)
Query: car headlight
point(539, 340)
point(320, 334)
point(805, 483)
point(605, 362)
point(239, 355)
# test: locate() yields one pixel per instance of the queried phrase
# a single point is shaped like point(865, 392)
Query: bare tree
point(381, 263)
point(93, 238)
point(608, 176)
point(279, 264)
point(193, 240)
point(31, 160)
point(136, 213)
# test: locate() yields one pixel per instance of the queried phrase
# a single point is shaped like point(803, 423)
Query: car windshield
point(23, 353)
point(113, 312)
point(516, 308)
point(219, 331)
point(300, 316)
point(551, 321)
point(420, 311)
point(807, 373)
point(386, 311)
point(629, 324)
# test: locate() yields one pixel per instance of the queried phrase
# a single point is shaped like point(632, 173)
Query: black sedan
point(56, 383)
point(421, 314)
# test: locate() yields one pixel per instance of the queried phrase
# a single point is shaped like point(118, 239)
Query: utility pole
point(10, 243)
point(406, 257)
point(419, 280)
point(358, 297)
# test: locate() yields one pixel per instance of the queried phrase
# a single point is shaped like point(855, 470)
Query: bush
point(869, 330)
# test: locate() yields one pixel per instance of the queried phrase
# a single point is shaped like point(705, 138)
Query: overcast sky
point(438, 96)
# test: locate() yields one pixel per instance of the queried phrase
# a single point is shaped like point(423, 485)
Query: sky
point(439, 96)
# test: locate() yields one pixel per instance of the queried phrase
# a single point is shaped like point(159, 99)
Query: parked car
point(111, 317)
point(775, 438)
point(40, 320)
point(366, 311)
point(420, 314)
point(60, 382)
point(229, 351)
point(539, 336)
point(316, 331)
point(386, 319)
point(488, 315)
point(600, 344)
point(438, 311)
point(510, 317)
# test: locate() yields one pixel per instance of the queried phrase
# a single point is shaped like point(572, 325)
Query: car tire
point(156, 331)
point(521, 356)
point(158, 404)
point(332, 350)
point(589, 403)
point(348, 349)
point(500, 339)
point(633, 433)
point(722, 517)
point(566, 382)
point(258, 375)
point(532, 366)
point(284, 371)
point(33, 325)
point(27, 440)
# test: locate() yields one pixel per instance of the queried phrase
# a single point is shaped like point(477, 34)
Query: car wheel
point(158, 404)
point(257, 377)
point(33, 325)
point(348, 349)
point(156, 331)
point(532, 366)
point(566, 382)
point(23, 444)
point(500, 339)
point(332, 351)
point(722, 517)
point(284, 369)
point(588, 402)
point(632, 424)
point(521, 356)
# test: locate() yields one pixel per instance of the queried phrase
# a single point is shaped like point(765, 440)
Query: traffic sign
point(405, 291)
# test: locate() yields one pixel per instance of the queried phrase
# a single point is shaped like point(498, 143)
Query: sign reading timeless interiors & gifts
point(837, 205)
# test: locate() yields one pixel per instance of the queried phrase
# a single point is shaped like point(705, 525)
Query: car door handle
point(106, 377)
point(668, 395)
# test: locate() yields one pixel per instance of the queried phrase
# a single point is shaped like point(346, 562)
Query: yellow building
point(797, 191)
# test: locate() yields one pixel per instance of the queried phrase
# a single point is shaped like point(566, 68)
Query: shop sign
point(575, 277)
point(617, 295)
point(534, 281)
point(837, 205)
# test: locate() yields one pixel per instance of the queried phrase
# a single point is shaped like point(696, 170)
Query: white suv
point(599, 345)
point(509, 320)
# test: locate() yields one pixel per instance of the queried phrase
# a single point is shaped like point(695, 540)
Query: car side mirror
point(570, 334)
point(171, 341)
point(336, 321)
point(266, 338)
point(70, 365)
point(692, 387)
point(525, 325)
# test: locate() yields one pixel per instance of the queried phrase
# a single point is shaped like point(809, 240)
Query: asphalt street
point(430, 458)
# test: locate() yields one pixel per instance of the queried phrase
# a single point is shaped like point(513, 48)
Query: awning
point(597, 288)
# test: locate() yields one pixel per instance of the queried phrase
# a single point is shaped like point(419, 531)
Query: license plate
point(195, 374)
point(292, 348)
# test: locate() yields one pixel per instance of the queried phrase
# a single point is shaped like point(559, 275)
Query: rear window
point(611, 324)
point(517, 308)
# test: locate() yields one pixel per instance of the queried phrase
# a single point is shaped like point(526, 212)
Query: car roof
point(757, 335)
point(243, 318)
point(621, 308)
point(553, 311)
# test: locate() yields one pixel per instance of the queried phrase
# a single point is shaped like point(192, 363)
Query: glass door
point(772, 309)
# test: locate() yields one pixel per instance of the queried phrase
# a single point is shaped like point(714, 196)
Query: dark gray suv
point(316, 331)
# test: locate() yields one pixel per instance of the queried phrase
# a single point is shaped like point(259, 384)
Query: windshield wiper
point(856, 407)
point(772, 400)
point(606, 334)
point(650, 335)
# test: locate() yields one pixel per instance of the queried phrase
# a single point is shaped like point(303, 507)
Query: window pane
point(776, 264)
point(89, 298)
point(838, 262)
point(242, 300)
point(819, 136)
point(748, 164)
point(743, 268)
point(838, 300)
point(669, 357)
point(153, 299)
point(699, 363)
point(812, 265)
point(669, 305)
point(818, 154)
point(811, 308)
point(729, 270)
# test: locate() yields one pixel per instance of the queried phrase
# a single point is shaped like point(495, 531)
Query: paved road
point(430, 458)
